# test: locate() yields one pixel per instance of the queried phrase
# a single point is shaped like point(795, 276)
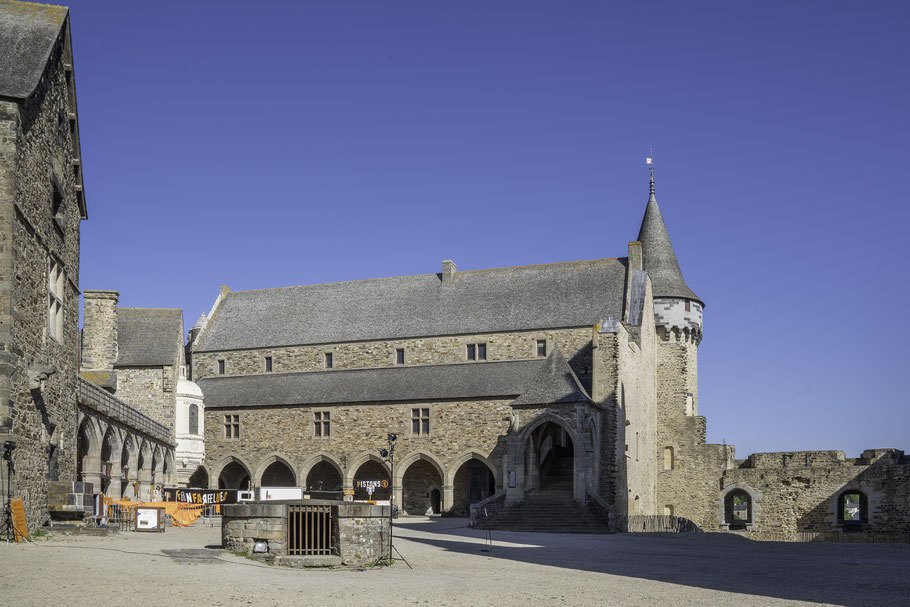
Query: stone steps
point(554, 512)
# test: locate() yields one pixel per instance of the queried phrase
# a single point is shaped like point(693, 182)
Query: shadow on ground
point(842, 574)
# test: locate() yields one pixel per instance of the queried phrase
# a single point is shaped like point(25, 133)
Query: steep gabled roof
point(148, 336)
point(27, 35)
point(554, 382)
point(658, 256)
point(570, 294)
point(502, 379)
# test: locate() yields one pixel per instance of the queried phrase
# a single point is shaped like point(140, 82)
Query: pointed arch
point(460, 460)
point(414, 456)
point(267, 461)
point(218, 468)
point(360, 460)
point(549, 417)
point(91, 432)
point(322, 456)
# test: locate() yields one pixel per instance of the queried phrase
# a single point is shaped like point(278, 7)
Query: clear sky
point(268, 144)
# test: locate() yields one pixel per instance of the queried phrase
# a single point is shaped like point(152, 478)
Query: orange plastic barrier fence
point(182, 515)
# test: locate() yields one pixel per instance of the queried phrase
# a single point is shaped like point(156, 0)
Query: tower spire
point(650, 162)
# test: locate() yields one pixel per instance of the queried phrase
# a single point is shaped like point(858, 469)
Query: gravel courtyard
point(449, 569)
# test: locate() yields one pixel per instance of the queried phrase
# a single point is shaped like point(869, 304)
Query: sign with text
point(371, 485)
point(201, 496)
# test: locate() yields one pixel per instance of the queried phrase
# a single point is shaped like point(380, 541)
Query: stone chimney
point(448, 271)
point(99, 330)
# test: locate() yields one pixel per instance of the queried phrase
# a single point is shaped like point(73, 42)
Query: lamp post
point(388, 455)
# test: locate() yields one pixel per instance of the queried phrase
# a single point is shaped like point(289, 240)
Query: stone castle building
point(63, 426)
point(576, 379)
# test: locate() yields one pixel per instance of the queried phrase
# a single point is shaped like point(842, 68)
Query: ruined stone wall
point(798, 491)
point(456, 429)
point(574, 344)
point(36, 146)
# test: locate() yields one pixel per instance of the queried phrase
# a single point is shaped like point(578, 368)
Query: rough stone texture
point(37, 143)
point(99, 333)
point(360, 533)
point(574, 344)
point(151, 391)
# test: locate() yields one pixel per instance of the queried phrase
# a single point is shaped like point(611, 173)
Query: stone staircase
point(550, 511)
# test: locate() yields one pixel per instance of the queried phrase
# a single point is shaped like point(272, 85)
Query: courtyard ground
point(449, 569)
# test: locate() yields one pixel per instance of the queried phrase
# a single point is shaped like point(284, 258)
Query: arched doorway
point(234, 476)
point(323, 477)
point(553, 459)
point(372, 470)
point(420, 479)
point(199, 478)
point(278, 474)
point(127, 472)
point(473, 482)
point(108, 456)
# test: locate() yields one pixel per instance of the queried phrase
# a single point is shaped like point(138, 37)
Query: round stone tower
point(190, 429)
point(677, 316)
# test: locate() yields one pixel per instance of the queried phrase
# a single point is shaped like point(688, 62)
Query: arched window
point(738, 509)
point(852, 508)
point(669, 462)
point(194, 419)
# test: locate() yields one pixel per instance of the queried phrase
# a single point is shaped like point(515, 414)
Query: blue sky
point(271, 144)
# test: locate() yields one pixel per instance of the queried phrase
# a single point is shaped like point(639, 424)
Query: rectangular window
point(687, 307)
point(328, 360)
point(399, 356)
point(322, 424)
point(56, 281)
point(268, 364)
point(477, 351)
point(542, 348)
point(221, 367)
point(232, 426)
point(420, 422)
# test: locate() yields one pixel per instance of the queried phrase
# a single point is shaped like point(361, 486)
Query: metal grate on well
point(311, 530)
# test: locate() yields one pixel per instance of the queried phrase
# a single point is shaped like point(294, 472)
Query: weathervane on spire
point(650, 162)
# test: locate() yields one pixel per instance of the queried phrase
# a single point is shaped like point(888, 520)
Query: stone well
point(359, 531)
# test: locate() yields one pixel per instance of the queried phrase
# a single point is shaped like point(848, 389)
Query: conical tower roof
point(658, 256)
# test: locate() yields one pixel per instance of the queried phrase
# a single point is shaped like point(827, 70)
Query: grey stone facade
point(41, 207)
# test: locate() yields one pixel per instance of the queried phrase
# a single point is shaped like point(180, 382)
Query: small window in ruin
point(399, 356)
point(329, 360)
point(322, 424)
point(852, 508)
point(688, 306)
point(221, 367)
point(542, 348)
point(58, 208)
point(668, 458)
point(668, 510)
point(268, 364)
point(738, 509)
point(472, 352)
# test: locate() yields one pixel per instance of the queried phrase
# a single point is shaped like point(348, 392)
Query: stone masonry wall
point(151, 390)
point(456, 428)
point(798, 491)
point(29, 239)
point(574, 344)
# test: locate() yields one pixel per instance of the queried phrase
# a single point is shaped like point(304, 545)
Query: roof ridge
point(460, 272)
point(150, 309)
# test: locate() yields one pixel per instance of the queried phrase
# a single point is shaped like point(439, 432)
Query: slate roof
point(658, 256)
point(388, 384)
point(554, 382)
point(27, 35)
point(569, 294)
point(148, 336)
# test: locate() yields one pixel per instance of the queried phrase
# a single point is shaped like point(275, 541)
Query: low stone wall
point(361, 531)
